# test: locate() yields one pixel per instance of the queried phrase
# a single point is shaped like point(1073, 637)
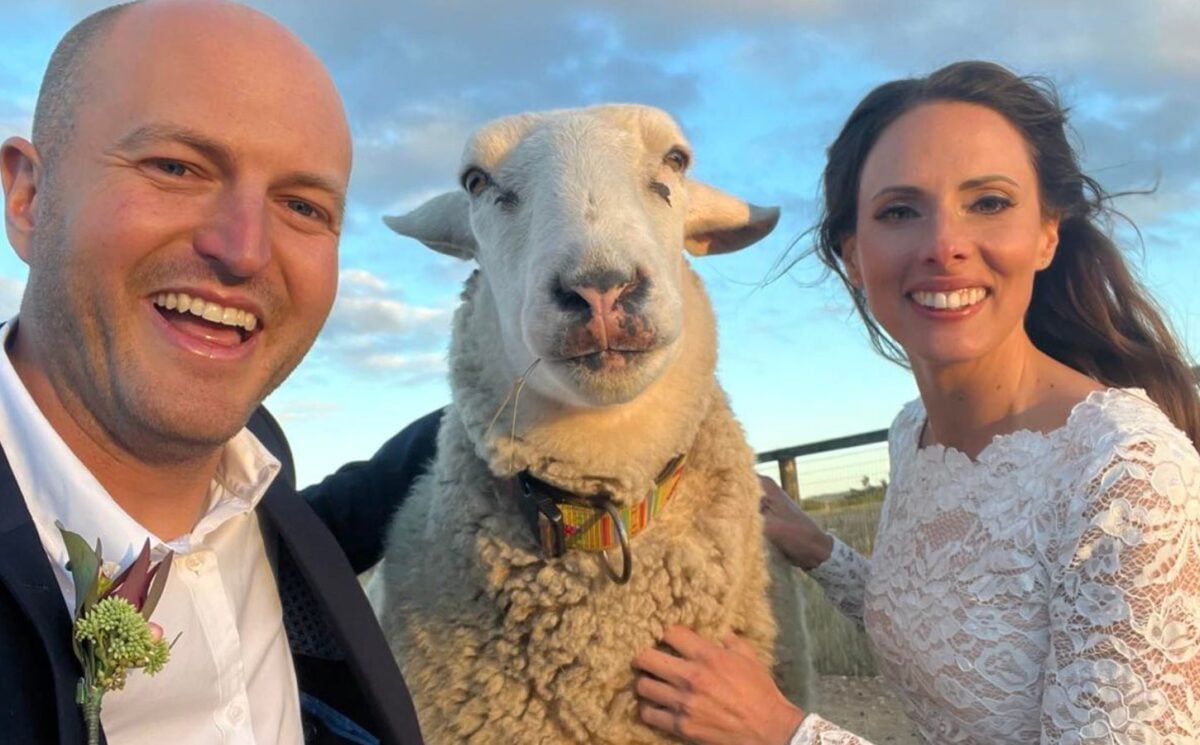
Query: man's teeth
point(952, 300)
point(208, 310)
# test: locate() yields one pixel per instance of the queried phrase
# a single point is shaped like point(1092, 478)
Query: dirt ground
point(864, 706)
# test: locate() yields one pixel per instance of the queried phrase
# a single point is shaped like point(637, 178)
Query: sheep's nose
point(601, 292)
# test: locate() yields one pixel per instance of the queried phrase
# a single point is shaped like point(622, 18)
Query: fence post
point(787, 478)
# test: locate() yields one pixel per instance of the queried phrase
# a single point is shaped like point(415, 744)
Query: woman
point(1036, 575)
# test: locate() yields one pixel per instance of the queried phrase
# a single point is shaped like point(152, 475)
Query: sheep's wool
point(499, 644)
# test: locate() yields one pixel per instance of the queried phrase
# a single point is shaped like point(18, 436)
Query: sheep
point(581, 363)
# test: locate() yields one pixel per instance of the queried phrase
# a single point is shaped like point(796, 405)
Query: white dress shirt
point(230, 677)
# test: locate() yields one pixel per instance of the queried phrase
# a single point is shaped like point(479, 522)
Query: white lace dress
point(1048, 591)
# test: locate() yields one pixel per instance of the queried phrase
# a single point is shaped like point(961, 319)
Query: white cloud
point(373, 331)
point(408, 363)
point(378, 315)
point(360, 279)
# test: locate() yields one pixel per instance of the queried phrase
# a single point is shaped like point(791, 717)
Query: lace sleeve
point(843, 577)
point(816, 731)
point(1124, 664)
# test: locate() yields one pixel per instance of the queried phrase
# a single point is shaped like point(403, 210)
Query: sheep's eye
point(662, 190)
point(676, 159)
point(507, 199)
point(475, 181)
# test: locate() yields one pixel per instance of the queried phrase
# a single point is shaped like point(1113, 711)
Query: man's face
point(185, 250)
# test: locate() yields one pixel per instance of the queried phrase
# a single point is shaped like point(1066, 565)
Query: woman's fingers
point(662, 665)
point(738, 645)
point(657, 692)
point(656, 716)
point(686, 642)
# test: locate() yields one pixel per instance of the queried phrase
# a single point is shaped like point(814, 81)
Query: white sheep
point(582, 355)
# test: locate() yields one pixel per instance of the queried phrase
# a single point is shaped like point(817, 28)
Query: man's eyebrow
point(152, 133)
point(308, 180)
point(221, 155)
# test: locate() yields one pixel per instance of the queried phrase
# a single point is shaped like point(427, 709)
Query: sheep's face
point(577, 219)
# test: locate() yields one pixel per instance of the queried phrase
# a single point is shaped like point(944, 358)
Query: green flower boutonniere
point(113, 633)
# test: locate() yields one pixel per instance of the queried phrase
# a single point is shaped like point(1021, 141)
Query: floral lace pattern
point(1048, 591)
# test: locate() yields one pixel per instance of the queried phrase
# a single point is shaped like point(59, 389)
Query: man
point(179, 207)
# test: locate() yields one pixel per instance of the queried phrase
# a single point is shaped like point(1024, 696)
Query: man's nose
point(238, 237)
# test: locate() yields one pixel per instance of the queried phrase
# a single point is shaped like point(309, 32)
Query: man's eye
point(171, 167)
point(300, 207)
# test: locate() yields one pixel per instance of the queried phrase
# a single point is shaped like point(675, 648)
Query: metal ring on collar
point(623, 539)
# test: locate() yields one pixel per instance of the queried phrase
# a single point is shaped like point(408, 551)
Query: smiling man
point(179, 208)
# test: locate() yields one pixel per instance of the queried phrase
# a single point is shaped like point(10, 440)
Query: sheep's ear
point(718, 223)
point(443, 223)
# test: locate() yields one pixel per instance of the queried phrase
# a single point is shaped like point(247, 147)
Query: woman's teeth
point(952, 300)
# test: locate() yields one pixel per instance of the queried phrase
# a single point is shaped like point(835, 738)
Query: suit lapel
point(326, 571)
point(26, 571)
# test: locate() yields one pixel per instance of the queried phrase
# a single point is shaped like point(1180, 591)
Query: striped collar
point(562, 520)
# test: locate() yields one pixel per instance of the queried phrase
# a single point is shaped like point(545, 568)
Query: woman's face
point(950, 234)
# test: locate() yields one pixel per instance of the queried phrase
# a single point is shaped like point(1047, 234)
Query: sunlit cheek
point(324, 285)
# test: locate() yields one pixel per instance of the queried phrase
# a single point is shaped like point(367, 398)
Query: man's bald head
point(62, 85)
point(69, 73)
point(200, 149)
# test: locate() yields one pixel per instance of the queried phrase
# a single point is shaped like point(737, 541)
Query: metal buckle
point(540, 504)
point(535, 506)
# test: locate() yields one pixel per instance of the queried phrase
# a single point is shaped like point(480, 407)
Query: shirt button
point(194, 562)
point(235, 713)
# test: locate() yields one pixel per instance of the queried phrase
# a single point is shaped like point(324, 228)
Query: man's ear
point(850, 261)
point(20, 173)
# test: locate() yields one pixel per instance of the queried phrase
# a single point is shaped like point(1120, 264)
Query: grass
point(838, 646)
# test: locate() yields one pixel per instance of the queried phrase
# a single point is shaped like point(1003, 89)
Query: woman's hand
point(716, 694)
point(798, 538)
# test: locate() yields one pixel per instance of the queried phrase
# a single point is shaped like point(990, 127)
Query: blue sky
point(761, 88)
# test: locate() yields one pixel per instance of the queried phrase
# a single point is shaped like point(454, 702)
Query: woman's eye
point(895, 213)
point(991, 204)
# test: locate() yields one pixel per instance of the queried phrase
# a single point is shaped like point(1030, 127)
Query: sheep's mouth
point(608, 359)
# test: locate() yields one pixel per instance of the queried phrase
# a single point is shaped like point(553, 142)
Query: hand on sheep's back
point(801, 541)
point(713, 693)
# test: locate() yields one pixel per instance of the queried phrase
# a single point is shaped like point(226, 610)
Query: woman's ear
point(849, 255)
point(1049, 242)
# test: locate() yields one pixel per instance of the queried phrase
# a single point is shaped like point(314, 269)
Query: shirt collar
point(57, 486)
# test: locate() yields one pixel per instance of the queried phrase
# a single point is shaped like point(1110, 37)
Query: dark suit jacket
point(348, 679)
point(356, 503)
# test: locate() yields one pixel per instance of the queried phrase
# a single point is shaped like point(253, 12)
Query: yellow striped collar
point(562, 520)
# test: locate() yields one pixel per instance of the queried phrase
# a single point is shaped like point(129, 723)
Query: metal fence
point(833, 466)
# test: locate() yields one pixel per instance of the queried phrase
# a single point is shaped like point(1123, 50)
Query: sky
point(761, 88)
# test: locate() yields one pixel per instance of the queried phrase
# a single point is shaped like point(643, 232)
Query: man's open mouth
point(205, 319)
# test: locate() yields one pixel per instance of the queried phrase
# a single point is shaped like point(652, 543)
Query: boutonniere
point(112, 633)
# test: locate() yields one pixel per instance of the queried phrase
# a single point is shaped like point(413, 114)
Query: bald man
point(179, 208)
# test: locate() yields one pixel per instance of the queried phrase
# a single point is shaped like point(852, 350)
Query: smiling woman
point(1034, 576)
